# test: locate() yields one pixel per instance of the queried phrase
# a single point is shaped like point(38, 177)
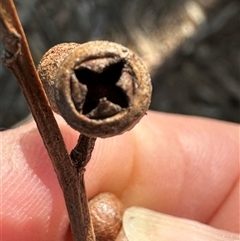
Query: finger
point(182, 166)
point(119, 164)
point(32, 205)
point(144, 224)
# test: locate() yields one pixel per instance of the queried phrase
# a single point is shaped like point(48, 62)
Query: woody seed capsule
point(100, 88)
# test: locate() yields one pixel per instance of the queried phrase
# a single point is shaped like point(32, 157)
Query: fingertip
point(144, 224)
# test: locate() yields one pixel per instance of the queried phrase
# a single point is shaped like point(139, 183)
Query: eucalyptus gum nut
point(100, 88)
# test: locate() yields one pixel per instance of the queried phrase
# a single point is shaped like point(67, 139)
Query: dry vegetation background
point(191, 47)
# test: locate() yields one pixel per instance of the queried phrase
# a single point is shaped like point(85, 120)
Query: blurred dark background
point(191, 47)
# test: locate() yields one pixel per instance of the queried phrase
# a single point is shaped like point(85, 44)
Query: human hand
point(185, 167)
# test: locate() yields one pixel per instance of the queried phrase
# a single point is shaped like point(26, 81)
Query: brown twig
point(17, 57)
point(101, 89)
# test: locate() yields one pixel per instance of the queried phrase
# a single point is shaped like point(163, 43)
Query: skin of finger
point(32, 205)
point(185, 168)
point(228, 211)
point(163, 145)
point(208, 167)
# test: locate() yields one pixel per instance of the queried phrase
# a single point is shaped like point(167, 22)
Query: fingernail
point(140, 224)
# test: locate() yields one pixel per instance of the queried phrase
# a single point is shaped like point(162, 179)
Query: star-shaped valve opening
point(96, 88)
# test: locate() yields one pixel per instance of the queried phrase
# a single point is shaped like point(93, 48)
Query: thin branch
point(17, 57)
point(81, 154)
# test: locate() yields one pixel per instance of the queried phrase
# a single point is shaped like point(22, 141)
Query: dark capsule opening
point(102, 85)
